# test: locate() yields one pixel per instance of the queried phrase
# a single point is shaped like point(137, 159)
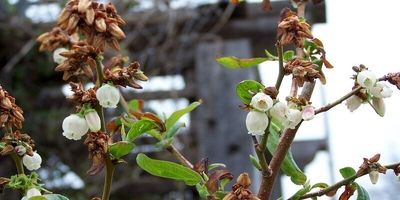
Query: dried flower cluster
point(82, 96)
point(393, 78)
point(56, 38)
point(292, 29)
point(98, 22)
point(125, 76)
point(303, 71)
point(97, 143)
point(240, 190)
point(10, 113)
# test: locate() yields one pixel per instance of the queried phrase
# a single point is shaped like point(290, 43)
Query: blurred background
point(176, 42)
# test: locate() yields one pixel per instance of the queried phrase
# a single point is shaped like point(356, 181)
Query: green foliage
point(170, 170)
point(179, 113)
point(174, 129)
point(233, 62)
point(362, 194)
point(246, 89)
point(346, 172)
point(288, 55)
point(140, 127)
point(255, 162)
point(301, 192)
point(202, 190)
point(49, 197)
point(320, 185)
point(289, 166)
point(120, 149)
point(23, 182)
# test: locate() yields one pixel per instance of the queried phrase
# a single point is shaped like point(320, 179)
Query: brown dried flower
point(291, 29)
point(80, 61)
point(100, 23)
point(240, 190)
point(10, 113)
point(17, 138)
point(97, 143)
point(303, 70)
point(56, 38)
point(393, 78)
point(82, 96)
point(371, 165)
point(125, 76)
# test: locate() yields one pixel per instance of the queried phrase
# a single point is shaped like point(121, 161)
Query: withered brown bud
point(271, 91)
point(292, 30)
point(244, 180)
point(125, 76)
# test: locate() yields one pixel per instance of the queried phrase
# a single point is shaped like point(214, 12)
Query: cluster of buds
point(292, 29)
point(56, 38)
point(289, 117)
point(97, 143)
point(79, 62)
point(240, 190)
point(257, 119)
point(10, 113)
point(372, 89)
point(98, 22)
point(125, 76)
point(303, 70)
point(372, 167)
point(77, 125)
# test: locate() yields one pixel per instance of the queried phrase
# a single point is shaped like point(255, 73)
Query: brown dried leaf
point(217, 175)
point(348, 192)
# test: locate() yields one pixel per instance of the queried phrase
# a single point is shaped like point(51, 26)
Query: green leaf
point(270, 56)
point(136, 105)
point(301, 192)
point(310, 46)
point(289, 166)
point(202, 190)
point(140, 127)
point(49, 197)
point(320, 185)
point(120, 149)
point(179, 113)
point(246, 89)
point(288, 55)
point(216, 165)
point(233, 62)
point(174, 129)
point(362, 193)
point(168, 170)
point(346, 172)
point(255, 162)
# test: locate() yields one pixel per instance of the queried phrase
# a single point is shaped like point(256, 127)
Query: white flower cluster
point(257, 120)
point(377, 90)
point(75, 126)
point(32, 162)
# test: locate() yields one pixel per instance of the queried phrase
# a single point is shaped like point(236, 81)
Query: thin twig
point(279, 49)
point(339, 101)
point(341, 183)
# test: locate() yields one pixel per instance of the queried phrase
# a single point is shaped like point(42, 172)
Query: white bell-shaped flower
point(261, 102)
point(57, 57)
point(32, 162)
point(32, 192)
point(366, 79)
point(381, 90)
point(74, 127)
point(256, 122)
point(20, 150)
point(373, 176)
point(108, 96)
point(279, 111)
point(93, 120)
point(353, 102)
point(308, 113)
point(293, 118)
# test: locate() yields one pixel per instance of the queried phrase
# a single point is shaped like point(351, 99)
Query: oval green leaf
point(247, 88)
point(233, 62)
point(120, 149)
point(179, 113)
point(362, 193)
point(140, 127)
point(346, 172)
point(170, 170)
point(49, 197)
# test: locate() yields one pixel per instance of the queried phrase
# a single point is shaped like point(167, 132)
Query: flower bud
point(57, 57)
point(373, 176)
point(261, 102)
point(308, 113)
point(293, 118)
point(20, 150)
point(108, 96)
point(32, 162)
point(366, 79)
point(353, 102)
point(74, 127)
point(244, 180)
point(279, 111)
point(32, 192)
point(256, 122)
point(93, 120)
point(381, 90)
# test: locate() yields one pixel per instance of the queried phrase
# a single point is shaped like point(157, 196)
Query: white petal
point(261, 102)
point(381, 90)
point(308, 113)
point(373, 176)
point(74, 126)
point(379, 106)
point(279, 111)
point(353, 102)
point(33, 192)
point(32, 162)
point(293, 118)
point(93, 121)
point(366, 79)
point(57, 57)
point(108, 96)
